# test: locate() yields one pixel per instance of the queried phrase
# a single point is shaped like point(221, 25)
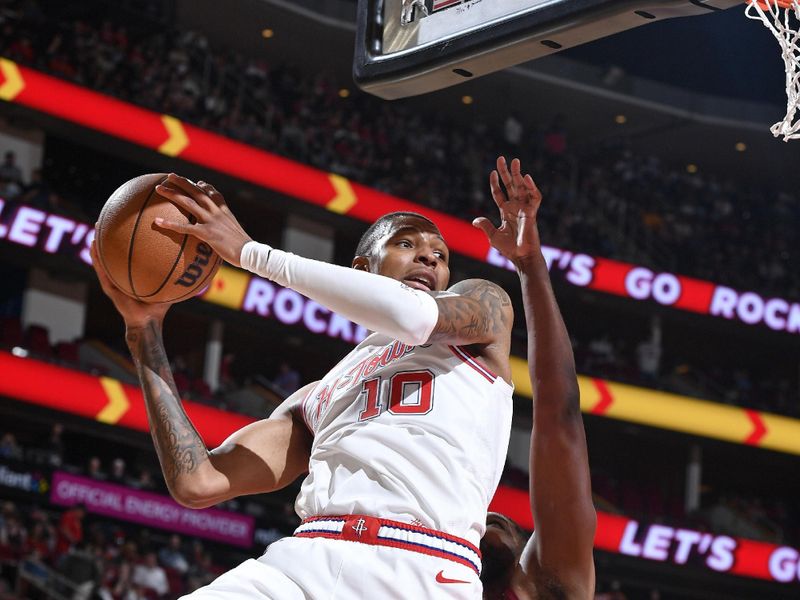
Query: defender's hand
point(134, 312)
point(517, 237)
point(215, 224)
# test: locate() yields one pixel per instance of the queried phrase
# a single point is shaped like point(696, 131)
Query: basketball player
point(403, 441)
point(556, 562)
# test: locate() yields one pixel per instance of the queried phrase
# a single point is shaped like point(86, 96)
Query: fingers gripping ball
point(144, 261)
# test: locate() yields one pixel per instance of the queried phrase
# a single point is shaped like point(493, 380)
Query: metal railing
point(51, 585)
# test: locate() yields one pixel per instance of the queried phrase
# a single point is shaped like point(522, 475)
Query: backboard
point(410, 47)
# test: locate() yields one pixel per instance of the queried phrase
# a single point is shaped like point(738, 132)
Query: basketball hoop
point(777, 16)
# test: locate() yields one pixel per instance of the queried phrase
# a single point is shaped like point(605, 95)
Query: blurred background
point(669, 215)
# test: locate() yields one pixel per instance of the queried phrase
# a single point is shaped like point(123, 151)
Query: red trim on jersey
point(477, 361)
point(369, 535)
point(473, 362)
point(303, 409)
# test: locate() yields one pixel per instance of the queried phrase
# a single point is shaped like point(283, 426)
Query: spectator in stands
point(743, 390)
point(150, 576)
point(39, 194)
point(9, 448)
point(9, 171)
point(7, 509)
point(614, 593)
point(183, 376)
point(513, 130)
point(172, 557)
point(227, 382)
point(9, 190)
point(270, 535)
point(55, 446)
point(51, 453)
point(197, 552)
point(144, 481)
point(601, 352)
point(118, 474)
point(70, 528)
point(648, 356)
point(42, 536)
point(13, 534)
point(200, 573)
point(120, 581)
point(94, 469)
point(288, 379)
point(555, 136)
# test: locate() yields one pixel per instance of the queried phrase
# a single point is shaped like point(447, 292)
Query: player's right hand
point(215, 223)
point(134, 312)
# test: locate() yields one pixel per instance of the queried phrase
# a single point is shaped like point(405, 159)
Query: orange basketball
point(144, 261)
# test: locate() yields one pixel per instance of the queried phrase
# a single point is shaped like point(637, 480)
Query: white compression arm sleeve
point(376, 302)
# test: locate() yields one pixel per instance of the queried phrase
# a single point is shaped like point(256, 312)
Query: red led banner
point(101, 398)
point(675, 545)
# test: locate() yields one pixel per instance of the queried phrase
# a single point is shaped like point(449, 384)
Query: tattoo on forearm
point(178, 445)
point(458, 315)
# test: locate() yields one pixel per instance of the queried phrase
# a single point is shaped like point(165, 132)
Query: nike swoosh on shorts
point(440, 578)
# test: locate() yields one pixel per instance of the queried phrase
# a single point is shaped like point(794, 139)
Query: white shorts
point(321, 568)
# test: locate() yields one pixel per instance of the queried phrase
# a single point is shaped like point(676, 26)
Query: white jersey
point(417, 434)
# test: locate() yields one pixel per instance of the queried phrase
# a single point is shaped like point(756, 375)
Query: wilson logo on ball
point(197, 266)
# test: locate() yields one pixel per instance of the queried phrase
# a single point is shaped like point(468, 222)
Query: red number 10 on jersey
point(410, 393)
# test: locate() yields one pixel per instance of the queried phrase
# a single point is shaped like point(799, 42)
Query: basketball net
point(777, 16)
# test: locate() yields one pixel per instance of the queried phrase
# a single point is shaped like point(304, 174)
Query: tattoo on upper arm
point(478, 312)
point(178, 445)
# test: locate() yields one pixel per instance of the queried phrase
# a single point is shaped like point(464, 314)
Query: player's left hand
point(517, 237)
point(215, 224)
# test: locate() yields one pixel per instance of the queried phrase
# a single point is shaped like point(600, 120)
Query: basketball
point(146, 262)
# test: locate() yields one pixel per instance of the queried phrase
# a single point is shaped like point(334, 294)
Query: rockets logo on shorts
point(360, 527)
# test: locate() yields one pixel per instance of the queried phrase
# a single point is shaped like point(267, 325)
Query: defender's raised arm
point(557, 561)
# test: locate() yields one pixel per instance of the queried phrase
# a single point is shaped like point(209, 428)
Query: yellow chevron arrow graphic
point(345, 197)
point(177, 140)
point(13, 84)
point(673, 412)
point(117, 401)
point(228, 288)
